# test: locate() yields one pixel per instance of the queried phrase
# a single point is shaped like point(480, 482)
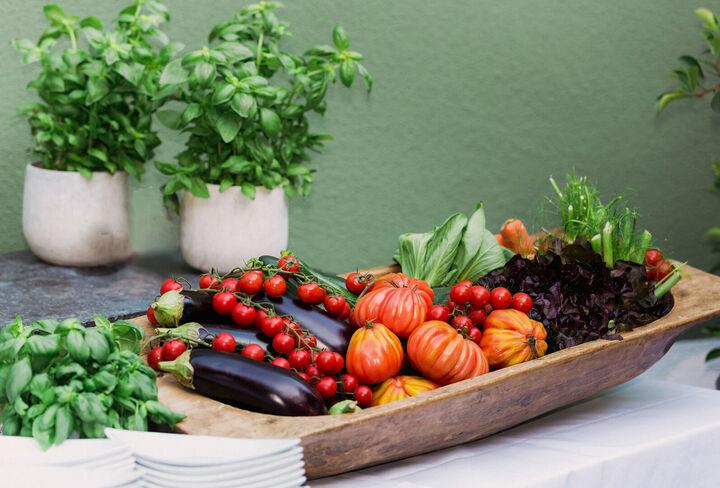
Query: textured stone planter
point(228, 228)
point(74, 221)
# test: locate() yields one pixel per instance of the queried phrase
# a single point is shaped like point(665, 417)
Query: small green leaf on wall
point(666, 98)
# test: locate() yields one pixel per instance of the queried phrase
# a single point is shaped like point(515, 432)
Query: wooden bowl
point(463, 411)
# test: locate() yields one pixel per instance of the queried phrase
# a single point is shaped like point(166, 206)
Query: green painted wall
point(474, 100)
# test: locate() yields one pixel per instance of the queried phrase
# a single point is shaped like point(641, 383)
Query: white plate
point(125, 458)
point(30, 476)
point(196, 450)
point(184, 476)
point(70, 453)
point(284, 483)
point(289, 479)
point(290, 471)
point(224, 469)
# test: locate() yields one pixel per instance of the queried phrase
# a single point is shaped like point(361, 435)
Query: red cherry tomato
point(224, 302)
point(663, 270)
point(303, 376)
point(465, 283)
point(651, 274)
point(311, 293)
point(313, 373)
point(299, 359)
point(275, 286)
point(345, 313)
point(308, 342)
point(172, 349)
point(356, 283)
point(154, 357)
point(251, 282)
point(288, 325)
point(500, 298)
point(479, 296)
point(170, 285)
point(224, 342)
point(452, 306)
point(349, 383)
point(231, 284)
point(283, 343)
point(151, 316)
point(522, 302)
point(260, 317)
point(462, 322)
point(334, 305)
point(290, 264)
point(253, 351)
point(243, 315)
point(326, 362)
point(363, 395)
point(477, 317)
point(272, 326)
point(327, 387)
point(208, 282)
point(460, 294)
point(439, 312)
point(475, 335)
point(653, 258)
point(281, 362)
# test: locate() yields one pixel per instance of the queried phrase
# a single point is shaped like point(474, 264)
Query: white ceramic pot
point(74, 221)
point(227, 229)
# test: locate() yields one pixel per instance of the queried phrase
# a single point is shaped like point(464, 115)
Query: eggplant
point(208, 332)
point(245, 383)
point(185, 306)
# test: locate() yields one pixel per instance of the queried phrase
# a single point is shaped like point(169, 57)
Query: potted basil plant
point(92, 127)
point(245, 105)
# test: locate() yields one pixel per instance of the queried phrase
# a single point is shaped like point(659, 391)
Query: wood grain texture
point(463, 411)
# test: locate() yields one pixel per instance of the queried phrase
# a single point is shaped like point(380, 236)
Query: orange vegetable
point(511, 337)
point(400, 387)
point(374, 354)
point(516, 238)
point(441, 354)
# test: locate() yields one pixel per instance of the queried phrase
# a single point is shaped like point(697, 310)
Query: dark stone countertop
point(35, 289)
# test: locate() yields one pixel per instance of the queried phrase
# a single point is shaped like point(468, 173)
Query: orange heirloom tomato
point(374, 354)
point(400, 387)
point(438, 352)
point(395, 300)
point(511, 337)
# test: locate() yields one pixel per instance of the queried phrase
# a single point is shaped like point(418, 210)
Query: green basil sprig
point(96, 102)
point(60, 377)
point(246, 103)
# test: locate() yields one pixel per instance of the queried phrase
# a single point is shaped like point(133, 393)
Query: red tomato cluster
point(657, 267)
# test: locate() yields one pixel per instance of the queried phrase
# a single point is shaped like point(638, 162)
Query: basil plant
point(97, 89)
point(245, 105)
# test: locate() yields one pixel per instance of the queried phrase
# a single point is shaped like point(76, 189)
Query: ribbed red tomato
point(374, 354)
point(395, 300)
point(511, 337)
point(399, 388)
point(438, 352)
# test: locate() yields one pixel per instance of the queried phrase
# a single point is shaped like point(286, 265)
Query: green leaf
point(715, 102)
point(347, 72)
point(45, 325)
point(297, 169)
point(43, 345)
point(166, 168)
point(442, 248)
point(88, 408)
point(340, 38)
point(248, 189)
point(18, 379)
point(236, 164)
point(692, 62)
point(93, 22)
point(9, 349)
point(131, 73)
point(98, 153)
point(101, 322)
point(411, 252)
point(174, 73)
point(225, 183)
point(54, 13)
point(99, 347)
point(76, 346)
point(711, 22)
point(365, 76)
point(64, 424)
point(228, 126)
point(204, 73)
point(244, 105)
point(668, 97)
point(198, 187)
point(269, 121)
point(40, 384)
point(128, 335)
point(170, 118)
point(223, 94)
point(191, 112)
point(96, 90)
point(713, 354)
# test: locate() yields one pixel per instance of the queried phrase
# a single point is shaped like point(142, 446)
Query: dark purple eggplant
point(245, 383)
point(184, 306)
point(208, 332)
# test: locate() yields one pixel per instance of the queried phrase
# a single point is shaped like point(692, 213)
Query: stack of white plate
point(190, 461)
point(91, 463)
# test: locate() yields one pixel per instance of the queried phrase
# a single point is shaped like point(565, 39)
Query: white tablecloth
point(641, 434)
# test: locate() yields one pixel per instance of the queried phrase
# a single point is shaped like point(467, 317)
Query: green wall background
point(474, 100)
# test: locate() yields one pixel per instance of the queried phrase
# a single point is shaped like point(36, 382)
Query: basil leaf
point(145, 388)
point(101, 380)
point(64, 424)
point(137, 421)
point(38, 345)
point(4, 373)
point(40, 384)
point(46, 325)
point(70, 369)
point(9, 349)
point(10, 422)
point(99, 348)
point(88, 408)
point(101, 322)
point(76, 345)
point(18, 379)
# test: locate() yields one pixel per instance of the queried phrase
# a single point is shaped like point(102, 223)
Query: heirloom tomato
point(374, 354)
point(438, 352)
point(395, 300)
point(400, 387)
point(511, 337)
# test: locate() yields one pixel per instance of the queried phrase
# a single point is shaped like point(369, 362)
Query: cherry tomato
point(313, 372)
point(282, 362)
point(479, 296)
point(308, 342)
point(272, 326)
point(363, 395)
point(230, 284)
point(651, 274)
point(207, 282)
point(151, 316)
point(522, 302)
point(243, 315)
point(500, 298)
point(251, 282)
point(334, 305)
point(253, 351)
point(224, 302)
point(462, 322)
point(326, 362)
point(452, 306)
point(260, 317)
point(303, 376)
point(465, 283)
point(653, 258)
point(172, 349)
point(290, 264)
point(438, 312)
point(289, 324)
point(275, 286)
point(170, 285)
point(356, 283)
point(349, 383)
point(460, 294)
point(224, 342)
point(154, 357)
point(345, 313)
point(283, 343)
point(475, 335)
point(311, 293)
point(477, 316)
point(299, 359)
point(663, 270)
point(327, 387)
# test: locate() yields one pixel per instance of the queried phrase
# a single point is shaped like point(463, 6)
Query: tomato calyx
point(532, 344)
